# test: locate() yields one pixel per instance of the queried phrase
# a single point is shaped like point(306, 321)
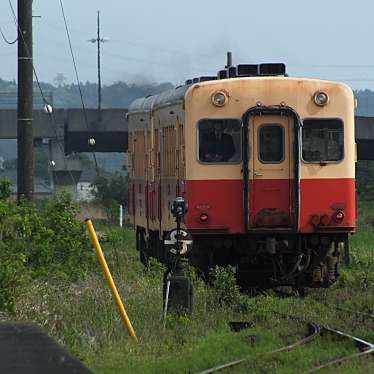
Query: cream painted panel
point(247, 92)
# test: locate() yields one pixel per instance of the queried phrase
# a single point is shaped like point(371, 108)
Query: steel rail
point(314, 332)
point(351, 311)
point(340, 308)
point(360, 342)
point(341, 360)
point(223, 366)
point(365, 347)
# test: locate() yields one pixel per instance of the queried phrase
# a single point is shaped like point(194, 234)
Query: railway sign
point(185, 240)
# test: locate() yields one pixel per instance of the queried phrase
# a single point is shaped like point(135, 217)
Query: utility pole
point(98, 40)
point(25, 141)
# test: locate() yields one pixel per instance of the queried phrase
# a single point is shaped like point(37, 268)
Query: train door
point(271, 171)
point(149, 178)
point(131, 170)
point(157, 200)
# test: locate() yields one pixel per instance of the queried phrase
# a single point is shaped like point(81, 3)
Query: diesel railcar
point(266, 163)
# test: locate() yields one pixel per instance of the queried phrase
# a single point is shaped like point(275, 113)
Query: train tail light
point(204, 217)
point(325, 220)
point(339, 216)
point(316, 219)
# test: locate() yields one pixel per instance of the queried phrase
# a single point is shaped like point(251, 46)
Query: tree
point(59, 80)
point(111, 192)
point(5, 188)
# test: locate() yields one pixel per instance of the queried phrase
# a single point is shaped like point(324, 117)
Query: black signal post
point(25, 148)
point(177, 284)
point(178, 210)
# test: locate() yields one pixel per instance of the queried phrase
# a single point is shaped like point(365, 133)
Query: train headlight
point(321, 98)
point(219, 98)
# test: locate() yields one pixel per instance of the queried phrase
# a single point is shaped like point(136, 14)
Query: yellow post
point(109, 278)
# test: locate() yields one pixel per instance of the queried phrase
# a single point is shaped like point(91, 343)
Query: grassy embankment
point(83, 318)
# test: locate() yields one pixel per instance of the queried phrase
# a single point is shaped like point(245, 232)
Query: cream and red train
point(266, 164)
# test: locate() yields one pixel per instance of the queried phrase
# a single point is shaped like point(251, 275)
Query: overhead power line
point(148, 46)
point(33, 66)
point(7, 40)
point(77, 78)
point(45, 101)
point(332, 66)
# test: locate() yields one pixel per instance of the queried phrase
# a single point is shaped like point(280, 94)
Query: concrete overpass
point(364, 127)
point(68, 132)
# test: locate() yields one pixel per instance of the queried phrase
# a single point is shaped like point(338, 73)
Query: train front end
point(270, 178)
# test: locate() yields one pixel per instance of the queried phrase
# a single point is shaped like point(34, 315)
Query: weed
point(82, 316)
point(226, 292)
point(44, 242)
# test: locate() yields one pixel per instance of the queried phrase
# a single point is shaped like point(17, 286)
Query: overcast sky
point(171, 40)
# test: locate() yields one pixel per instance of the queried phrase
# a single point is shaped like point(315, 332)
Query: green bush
point(12, 280)
point(44, 242)
point(5, 188)
point(110, 193)
point(360, 279)
point(226, 292)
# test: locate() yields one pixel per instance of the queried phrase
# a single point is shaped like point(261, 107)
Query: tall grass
point(362, 251)
point(82, 316)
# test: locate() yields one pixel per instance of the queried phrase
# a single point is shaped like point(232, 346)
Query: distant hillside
point(121, 94)
point(116, 95)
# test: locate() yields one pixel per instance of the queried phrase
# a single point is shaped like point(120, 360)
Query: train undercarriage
point(265, 260)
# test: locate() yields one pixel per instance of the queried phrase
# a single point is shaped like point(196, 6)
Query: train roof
point(177, 94)
point(170, 96)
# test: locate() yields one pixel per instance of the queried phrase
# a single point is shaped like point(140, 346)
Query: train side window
point(323, 140)
point(271, 143)
point(219, 140)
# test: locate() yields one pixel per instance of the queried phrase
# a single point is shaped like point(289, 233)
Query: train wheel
point(143, 258)
point(141, 244)
point(137, 238)
point(299, 287)
point(346, 252)
point(300, 291)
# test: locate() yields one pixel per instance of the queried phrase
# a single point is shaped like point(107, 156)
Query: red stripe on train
point(222, 201)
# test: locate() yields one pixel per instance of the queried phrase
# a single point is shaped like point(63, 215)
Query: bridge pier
point(65, 170)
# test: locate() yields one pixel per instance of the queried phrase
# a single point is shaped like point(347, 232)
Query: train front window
point(219, 140)
point(323, 140)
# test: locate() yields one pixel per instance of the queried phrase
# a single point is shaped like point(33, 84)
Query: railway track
point(315, 331)
point(339, 308)
point(365, 348)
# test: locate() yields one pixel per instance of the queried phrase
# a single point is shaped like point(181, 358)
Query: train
point(265, 163)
